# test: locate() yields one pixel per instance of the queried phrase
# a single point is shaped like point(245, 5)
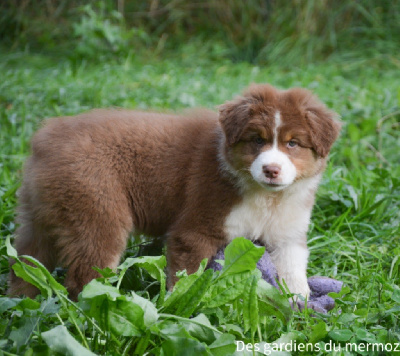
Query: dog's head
point(277, 137)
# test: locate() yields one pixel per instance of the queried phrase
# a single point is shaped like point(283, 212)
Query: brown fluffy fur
point(95, 177)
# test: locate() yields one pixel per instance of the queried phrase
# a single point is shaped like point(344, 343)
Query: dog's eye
point(292, 144)
point(259, 140)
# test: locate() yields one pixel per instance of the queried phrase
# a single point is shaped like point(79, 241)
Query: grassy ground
point(355, 231)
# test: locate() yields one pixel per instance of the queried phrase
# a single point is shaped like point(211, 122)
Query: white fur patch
point(279, 223)
point(272, 220)
point(277, 118)
point(290, 261)
point(274, 157)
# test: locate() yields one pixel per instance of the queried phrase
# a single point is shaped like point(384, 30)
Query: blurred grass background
point(258, 31)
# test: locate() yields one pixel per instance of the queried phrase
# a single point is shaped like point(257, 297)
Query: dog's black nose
point(271, 171)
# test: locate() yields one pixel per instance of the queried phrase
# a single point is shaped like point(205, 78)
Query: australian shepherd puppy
point(200, 179)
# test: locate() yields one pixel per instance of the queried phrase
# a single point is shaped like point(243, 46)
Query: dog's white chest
point(272, 221)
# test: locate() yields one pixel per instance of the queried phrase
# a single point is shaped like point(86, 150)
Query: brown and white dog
point(199, 179)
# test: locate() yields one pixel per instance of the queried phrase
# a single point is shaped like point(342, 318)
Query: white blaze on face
point(274, 157)
point(277, 124)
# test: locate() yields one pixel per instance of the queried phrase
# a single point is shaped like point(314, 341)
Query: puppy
point(200, 180)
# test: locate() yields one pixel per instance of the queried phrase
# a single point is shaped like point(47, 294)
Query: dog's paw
point(299, 286)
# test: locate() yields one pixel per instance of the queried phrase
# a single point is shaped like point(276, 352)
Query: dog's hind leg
point(32, 239)
point(77, 233)
point(98, 242)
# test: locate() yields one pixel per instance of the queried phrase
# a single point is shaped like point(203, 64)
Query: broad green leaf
point(241, 255)
point(226, 289)
point(95, 288)
point(194, 294)
point(290, 338)
point(39, 276)
point(362, 312)
point(353, 195)
point(201, 326)
point(143, 343)
point(318, 332)
point(124, 317)
point(364, 335)
point(49, 306)
point(396, 295)
point(57, 287)
point(24, 331)
point(347, 318)
point(170, 327)
point(182, 286)
point(395, 309)
point(154, 265)
point(8, 303)
point(265, 348)
point(11, 251)
point(201, 329)
point(272, 302)
point(149, 310)
point(28, 303)
point(61, 341)
point(340, 335)
point(234, 329)
point(178, 341)
point(120, 316)
point(224, 345)
point(250, 305)
point(32, 318)
point(106, 273)
point(181, 346)
point(179, 290)
point(33, 276)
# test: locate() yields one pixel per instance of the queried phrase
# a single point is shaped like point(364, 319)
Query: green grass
point(258, 31)
point(355, 231)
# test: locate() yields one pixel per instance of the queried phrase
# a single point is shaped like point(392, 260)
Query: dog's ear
point(325, 127)
point(234, 116)
point(323, 124)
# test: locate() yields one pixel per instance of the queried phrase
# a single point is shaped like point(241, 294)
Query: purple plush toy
point(320, 286)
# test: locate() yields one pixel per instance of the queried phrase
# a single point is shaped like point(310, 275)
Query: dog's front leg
point(186, 250)
point(290, 260)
